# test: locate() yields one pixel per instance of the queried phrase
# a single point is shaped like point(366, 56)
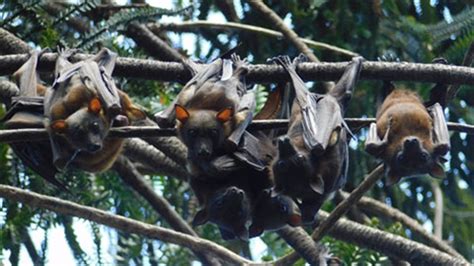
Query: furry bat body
point(76, 113)
point(79, 110)
point(410, 138)
point(313, 157)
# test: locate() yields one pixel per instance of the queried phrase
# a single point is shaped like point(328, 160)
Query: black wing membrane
point(27, 112)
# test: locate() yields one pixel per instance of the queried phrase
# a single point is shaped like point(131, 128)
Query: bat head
point(290, 163)
point(85, 129)
point(203, 131)
point(413, 158)
point(273, 211)
point(229, 208)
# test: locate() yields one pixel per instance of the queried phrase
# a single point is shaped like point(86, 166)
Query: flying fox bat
point(228, 198)
point(80, 108)
point(409, 137)
point(217, 87)
point(26, 111)
point(313, 158)
point(272, 212)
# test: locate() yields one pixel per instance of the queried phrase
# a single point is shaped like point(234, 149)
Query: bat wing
point(440, 130)
point(249, 152)
point(201, 74)
point(343, 89)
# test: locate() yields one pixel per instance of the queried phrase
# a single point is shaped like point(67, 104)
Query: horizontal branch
point(261, 73)
point(35, 134)
point(389, 244)
point(119, 222)
point(364, 236)
point(193, 26)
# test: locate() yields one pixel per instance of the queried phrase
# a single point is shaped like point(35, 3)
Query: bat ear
point(317, 185)
point(225, 114)
point(59, 126)
point(94, 106)
point(135, 113)
point(437, 170)
point(181, 113)
point(201, 217)
point(255, 230)
point(295, 220)
point(391, 177)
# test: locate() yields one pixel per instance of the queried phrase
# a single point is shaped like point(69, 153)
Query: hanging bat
point(26, 111)
point(410, 138)
point(79, 110)
point(228, 199)
point(272, 212)
point(313, 157)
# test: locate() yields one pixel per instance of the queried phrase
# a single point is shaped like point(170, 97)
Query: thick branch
point(10, 44)
point(172, 71)
point(391, 245)
point(193, 26)
point(119, 222)
point(313, 252)
point(151, 43)
point(32, 134)
point(134, 179)
point(140, 150)
point(380, 209)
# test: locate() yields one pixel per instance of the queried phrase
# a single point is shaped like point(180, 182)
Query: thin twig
point(192, 26)
point(438, 210)
point(119, 222)
point(35, 134)
point(265, 73)
point(467, 61)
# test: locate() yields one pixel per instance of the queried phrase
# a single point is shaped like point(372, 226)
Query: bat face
point(86, 131)
point(202, 131)
point(289, 164)
point(273, 212)
point(229, 208)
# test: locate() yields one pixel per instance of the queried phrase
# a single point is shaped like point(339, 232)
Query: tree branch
point(273, 17)
point(10, 44)
point(151, 43)
point(135, 180)
point(193, 26)
point(341, 209)
point(380, 209)
point(139, 150)
point(119, 222)
point(33, 134)
point(172, 71)
point(313, 252)
point(389, 244)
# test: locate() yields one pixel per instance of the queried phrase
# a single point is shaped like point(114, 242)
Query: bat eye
point(95, 128)
point(192, 132)
point(283, 208)
point(424, 157)
point(214, 132)
point(281, 165)
point(300, 157)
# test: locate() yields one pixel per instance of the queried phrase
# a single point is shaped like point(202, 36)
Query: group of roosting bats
point(245, 181)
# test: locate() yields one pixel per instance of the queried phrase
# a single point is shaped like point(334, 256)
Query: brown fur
point(409, 118)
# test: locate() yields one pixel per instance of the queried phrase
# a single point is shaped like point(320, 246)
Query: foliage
point(410, 30)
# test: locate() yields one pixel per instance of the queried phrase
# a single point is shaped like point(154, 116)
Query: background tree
point(413, 31)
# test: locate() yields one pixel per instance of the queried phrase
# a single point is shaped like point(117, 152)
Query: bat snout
point(93, 147)
point(411, 143)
